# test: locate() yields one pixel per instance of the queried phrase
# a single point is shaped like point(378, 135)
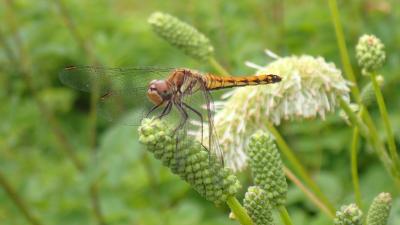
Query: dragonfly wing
point(200, 106)
point(117, 90)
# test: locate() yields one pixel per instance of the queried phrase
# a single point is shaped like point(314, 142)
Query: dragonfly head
point(159, 91)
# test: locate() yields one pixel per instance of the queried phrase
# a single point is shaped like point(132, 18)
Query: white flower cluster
point(309, 88)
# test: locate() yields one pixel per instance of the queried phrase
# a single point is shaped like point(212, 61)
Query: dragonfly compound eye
point(159, 91)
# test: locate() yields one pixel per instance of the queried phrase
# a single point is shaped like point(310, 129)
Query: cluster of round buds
point(181, 35)
point(379, 210)
point(370, 53)
point(258, 206)
point(348, 215)
point(188, 159)
point(267, 167)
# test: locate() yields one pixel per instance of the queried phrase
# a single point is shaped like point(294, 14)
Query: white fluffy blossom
point(309, 88)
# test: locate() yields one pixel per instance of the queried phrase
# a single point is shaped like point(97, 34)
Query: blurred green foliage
point(37, 124)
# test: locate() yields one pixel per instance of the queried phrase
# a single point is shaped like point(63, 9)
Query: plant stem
point(24, 65)
point(343, 49)
point(9, 190)
point(354, 119)
point(298, 167)
point(386, 122)
point(363, 129)
point(239, 212)
point(289, 174)
point(217, 66)
point(354, 165)
point(284, 215)
point(369, 132)
point(378, 145)
point(85, 46)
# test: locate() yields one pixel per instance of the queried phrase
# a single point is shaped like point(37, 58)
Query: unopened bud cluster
point(370, 53)
point(348, 215)
point(267, 168)
point(188, 159)
point(379, 210)
point(258, 206)
point(181, 35)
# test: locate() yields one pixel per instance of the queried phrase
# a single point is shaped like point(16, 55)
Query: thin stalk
point(354, 119)
point(313, 198)
point(298, 167)
point(343, 49)
point(386, 122)
point(10, 191)
point(354, 165)
point(239, 212)
point(377, 143)
point(85, 46)
point(371, 135)
point(283, 213)
point(24, 64)
point(217, 66)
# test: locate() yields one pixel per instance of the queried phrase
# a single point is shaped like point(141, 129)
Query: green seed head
point(370, 53)
point(189, 160)
point(258, 206)
point(267, 168)
point(181, 35)
point(379, 210)
point(348, 215)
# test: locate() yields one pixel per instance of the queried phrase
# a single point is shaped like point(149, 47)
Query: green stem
point(386, 122)
point(25, 68)
point(343, 49)
point(284, 215)
point(89, 53)
point(239, 212)
point(298, 167)
point(313, 198)
point(354, 172)
point(379, 147)
point(218, 66)
point(10, 191)
point(354, 119)
point(370, 134)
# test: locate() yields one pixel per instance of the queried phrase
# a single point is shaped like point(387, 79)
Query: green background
point(40, 119)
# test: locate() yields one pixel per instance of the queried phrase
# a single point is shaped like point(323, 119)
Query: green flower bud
point(368, 93)
point(267, 168)
point(181, 35)
point(188, 159)
point(348, 215)
point(379, 210)
point(370, 52)
point(258, 206)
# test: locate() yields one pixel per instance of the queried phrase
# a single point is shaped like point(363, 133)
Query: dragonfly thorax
point(159, 91)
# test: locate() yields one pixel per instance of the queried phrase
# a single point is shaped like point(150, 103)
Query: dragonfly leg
point(153, 108)
point(184, 115)
point(166, 110)
point(201, 120)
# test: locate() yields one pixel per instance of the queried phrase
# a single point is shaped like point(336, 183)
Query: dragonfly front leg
point(184, 115)
point(201, 120)
point(166, 110)
point(154, 108)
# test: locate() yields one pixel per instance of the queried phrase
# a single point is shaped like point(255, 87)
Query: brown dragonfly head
point(159, 91)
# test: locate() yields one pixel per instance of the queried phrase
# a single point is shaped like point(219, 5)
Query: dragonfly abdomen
point(216, 82)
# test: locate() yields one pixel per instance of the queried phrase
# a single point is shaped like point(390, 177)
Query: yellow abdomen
point(216, 82)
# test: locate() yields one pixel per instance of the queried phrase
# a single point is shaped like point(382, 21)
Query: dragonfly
point(159, 91)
